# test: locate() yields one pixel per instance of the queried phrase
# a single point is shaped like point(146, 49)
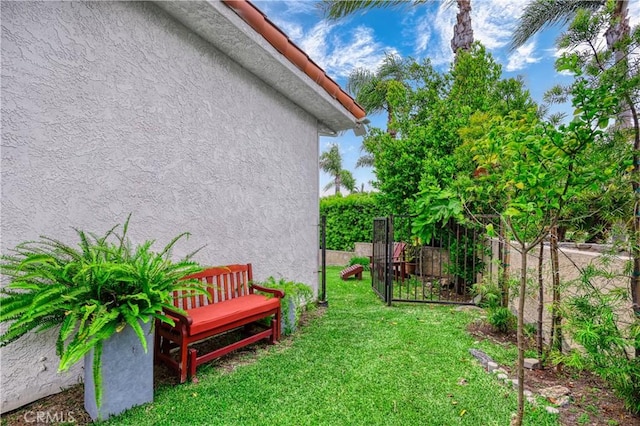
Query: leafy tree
point(540, 14)
point(532, 170)
point(429, 115)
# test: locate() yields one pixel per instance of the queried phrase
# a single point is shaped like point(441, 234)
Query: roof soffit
point(229, 33)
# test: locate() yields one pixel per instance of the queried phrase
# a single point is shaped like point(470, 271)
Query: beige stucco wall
point(571, 260)
point(111, 108)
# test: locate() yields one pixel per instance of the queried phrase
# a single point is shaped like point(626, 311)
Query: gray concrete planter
point(127, 374)
point(292, 309)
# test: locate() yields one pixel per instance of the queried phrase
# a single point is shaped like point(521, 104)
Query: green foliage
point(349, 219)
point(298, 294)
point(499, 317)
point(502, 319)
point(593, 318)
point(91, 291)
point(363, 261)
point(434, 208)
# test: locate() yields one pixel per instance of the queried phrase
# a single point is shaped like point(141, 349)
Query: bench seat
point(221, 314)
point(232, 302)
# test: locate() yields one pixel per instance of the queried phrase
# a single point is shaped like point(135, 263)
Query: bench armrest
point(276, 293)
point(178, 317)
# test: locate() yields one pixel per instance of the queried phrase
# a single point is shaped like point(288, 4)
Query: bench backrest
point(222, 282)
point(398, 252)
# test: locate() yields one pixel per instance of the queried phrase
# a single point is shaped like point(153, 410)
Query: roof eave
point(225, 29)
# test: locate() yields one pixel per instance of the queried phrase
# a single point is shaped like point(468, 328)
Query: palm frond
point(541, 14)
point(335, 9)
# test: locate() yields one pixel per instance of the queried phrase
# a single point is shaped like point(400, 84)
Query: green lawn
point(362, 363)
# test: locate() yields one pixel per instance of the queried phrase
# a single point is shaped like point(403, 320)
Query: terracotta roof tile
point(279, 40)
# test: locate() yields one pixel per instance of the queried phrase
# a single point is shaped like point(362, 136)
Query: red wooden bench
point(233, 303)
point(353, 270)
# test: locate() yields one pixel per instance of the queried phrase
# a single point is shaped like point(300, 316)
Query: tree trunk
point(503, 248)
point(462, 30)
point(616, 32)
point(556, 317)
point(539, 339)
point(521, 299)
point(392, 132)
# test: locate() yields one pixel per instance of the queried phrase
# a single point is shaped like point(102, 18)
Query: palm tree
point(346, 179)
point(331, 162)
point(370, 89)
point(541, 14)
point(462, 31)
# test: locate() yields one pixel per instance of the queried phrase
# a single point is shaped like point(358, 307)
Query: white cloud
point(522, 57)
point(338, 56)
point(493, 21)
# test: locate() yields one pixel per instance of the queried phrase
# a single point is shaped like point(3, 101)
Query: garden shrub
point(349, 219)
point(364, 261)
point(498, 316)
point(299, 294)
point(593, 321)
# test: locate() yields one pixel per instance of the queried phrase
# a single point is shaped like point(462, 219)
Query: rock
point(527, 393)
point(515, 383)
point(554, 392)
point(552, 410)
point(483, 358)
point(492, 366)
point(532, 400)
point(531, 363)
point(562, 401)
point(502, 376)
point(499, 371)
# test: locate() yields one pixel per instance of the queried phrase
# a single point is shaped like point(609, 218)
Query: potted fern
point(104, 295)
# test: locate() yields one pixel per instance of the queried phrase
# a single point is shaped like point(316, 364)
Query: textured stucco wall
point(570, 262)
point(116, 108)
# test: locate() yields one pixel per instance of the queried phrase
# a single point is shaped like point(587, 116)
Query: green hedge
point(349, 219)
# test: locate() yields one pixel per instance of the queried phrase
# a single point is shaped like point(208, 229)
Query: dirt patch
point(67, 407)
point(593, 402)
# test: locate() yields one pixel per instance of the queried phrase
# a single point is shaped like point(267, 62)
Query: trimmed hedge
point(349, 219)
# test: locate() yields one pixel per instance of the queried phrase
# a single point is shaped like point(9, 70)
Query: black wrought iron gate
point(439, 271)
point(381, 281)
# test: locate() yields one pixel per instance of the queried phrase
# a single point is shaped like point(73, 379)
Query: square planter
point(127, 374)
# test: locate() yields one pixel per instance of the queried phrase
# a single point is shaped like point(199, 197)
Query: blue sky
point(424, 31)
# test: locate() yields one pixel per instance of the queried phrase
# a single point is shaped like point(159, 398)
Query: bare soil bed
point(593, 402)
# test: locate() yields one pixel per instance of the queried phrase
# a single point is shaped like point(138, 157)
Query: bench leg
point(275, 327)
point(183, 361)
point(193, 364)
